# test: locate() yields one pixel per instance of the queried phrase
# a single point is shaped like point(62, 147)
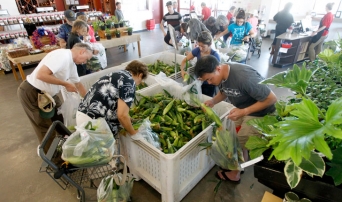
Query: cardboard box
point(268, 197)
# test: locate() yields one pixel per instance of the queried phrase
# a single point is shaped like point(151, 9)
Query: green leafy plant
point(129, 29)
point(307, 127)
point(96, 26)
point(115, 20)
point(108, 32)
point(101, 23)
point(117, 31)
point(109, 22)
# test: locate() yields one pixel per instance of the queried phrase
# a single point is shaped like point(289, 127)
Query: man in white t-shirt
point(38, 94)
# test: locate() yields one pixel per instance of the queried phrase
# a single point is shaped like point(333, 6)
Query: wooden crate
point(123, 32)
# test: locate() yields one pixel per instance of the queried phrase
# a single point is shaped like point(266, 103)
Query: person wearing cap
point(172, 17)
point(56, 70)
point(65, 29)
point(91, 33)
point(206, 12)
point(118, 11)
point(210, 23)
point(111, 97)
point(253, 20)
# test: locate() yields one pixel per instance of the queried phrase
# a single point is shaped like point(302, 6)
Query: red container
point(150, 24)
point(284, 45)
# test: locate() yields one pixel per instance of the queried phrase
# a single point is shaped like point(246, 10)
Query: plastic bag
point(194, 89)
point(69, 108)
point(226, 150)
point(116, 188)
point(238, 53)
point(91, 144)
point(101, 56)
point(166, 82)
point(147, 133)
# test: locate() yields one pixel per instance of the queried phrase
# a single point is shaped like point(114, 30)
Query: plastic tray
point(172, 175)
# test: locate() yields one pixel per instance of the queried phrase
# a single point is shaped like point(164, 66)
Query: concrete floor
point(21, 181)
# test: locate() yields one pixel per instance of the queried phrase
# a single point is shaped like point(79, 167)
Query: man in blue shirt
point(65, 29)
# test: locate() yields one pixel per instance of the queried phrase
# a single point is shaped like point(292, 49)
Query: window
point(319, 7)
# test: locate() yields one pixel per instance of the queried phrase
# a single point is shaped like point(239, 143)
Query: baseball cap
point(169, 3)
point(70, 15)
point(46, 105)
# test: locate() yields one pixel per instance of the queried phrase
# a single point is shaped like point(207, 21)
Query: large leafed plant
point(306, 131)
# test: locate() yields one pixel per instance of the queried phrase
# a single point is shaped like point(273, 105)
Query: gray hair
point(83, 45)
point(196, 27)
point(221, 20)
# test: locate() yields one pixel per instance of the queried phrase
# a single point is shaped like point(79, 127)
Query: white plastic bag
point(116, 188)
point(226, 150)
point(193, 89)
point(147, 133)
point(91, 144)
point(166, 82)
point(101, 56)
point(69, 108)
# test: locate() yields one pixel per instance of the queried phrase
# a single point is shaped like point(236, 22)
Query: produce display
point(141, 86)
point(160, 66)
point(175, 122)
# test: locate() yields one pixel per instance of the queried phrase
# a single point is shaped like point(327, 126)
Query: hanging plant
point(39, 33)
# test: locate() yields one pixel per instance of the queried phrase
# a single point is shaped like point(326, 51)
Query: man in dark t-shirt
point(239, 83)
point(172, 17)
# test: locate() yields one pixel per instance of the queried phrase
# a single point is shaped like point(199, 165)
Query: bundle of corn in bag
point(91, 144)
point(116, 187)
point(226, 150)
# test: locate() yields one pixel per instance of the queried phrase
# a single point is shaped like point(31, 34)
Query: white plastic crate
point(90, 79)
point(166, 57)
point(172, 175)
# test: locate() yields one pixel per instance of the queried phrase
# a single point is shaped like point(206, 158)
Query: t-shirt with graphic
point(243, 89)
point(239, 32)
point(172, 19)
point(101, 101)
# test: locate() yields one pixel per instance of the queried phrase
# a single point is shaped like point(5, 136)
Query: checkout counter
point(285, 56)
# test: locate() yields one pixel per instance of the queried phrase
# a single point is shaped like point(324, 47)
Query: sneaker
point(38, 150)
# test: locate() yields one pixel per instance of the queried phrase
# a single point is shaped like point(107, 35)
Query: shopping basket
point(66, 176)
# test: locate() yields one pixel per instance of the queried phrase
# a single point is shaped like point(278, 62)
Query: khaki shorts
point(246, 130)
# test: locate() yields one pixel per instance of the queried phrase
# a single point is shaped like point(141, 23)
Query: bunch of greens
point(307, 127)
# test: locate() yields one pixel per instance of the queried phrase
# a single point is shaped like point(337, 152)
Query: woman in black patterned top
point(112, 96)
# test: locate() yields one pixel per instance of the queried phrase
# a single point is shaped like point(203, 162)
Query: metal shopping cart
point(255, 44)
point(65, 176)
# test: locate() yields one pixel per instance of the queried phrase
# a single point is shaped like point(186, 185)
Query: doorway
point(156, 11)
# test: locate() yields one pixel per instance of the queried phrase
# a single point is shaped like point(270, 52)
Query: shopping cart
point(66, 176)
point(256, 42)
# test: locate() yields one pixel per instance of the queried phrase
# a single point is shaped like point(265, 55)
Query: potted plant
point(305, 135)
point(117, 33)
point(108, 34)
point(130, 30)
point(109, 23)
point(116, 21)
point(96, 29)
point(121, 23)
point(102, 26)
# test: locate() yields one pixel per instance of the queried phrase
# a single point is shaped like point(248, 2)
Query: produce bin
point(172, 175)
point(90, 79)
point(166, 57)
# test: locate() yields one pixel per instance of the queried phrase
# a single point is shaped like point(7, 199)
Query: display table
point(122, 41)
point(289, 56)
point(19, 60)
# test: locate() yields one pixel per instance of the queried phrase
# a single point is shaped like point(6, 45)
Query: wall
point(136, 17)
point(11, 6)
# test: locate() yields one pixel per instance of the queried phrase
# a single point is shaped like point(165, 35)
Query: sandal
point(225, 177)
point(227, 170)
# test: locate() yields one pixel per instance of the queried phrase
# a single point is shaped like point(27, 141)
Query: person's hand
point(164, 34)
point(313, 33)
point(137, 136)
point(246, 38)
point(209, 103)
point(216, 37)
point(183, 73)
point(70, 87)
point(236, 113)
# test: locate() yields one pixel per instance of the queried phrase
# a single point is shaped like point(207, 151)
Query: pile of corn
point(160, 66)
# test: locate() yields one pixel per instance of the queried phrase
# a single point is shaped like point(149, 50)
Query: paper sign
point(283, 50)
